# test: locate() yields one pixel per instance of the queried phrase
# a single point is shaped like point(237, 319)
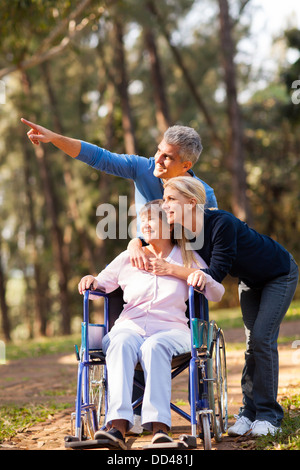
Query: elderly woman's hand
point(87, 282)
point(197, 279)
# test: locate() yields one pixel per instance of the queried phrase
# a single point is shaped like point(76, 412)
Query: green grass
point(41, 347)
point(289, 437)
point(14, 419)
point(225, 318)
point(232, 317)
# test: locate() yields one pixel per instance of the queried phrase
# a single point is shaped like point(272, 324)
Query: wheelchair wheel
point(217, 387)
point(205, 432)
point(221, 371)
point(97, 388)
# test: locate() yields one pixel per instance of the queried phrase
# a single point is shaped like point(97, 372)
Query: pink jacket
point(153, 303)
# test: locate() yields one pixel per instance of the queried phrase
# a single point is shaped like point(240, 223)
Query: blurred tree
point(161, 105)
point(291, 77)
point(6, 327)
point(117, 77)
point(235, 159)
point(38, 18)
point(40, 288)
point(194, 90)
point(121, 81)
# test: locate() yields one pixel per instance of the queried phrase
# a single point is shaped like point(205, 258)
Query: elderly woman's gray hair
point(154, 206)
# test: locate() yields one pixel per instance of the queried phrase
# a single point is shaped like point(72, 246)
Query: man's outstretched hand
point(37, 133)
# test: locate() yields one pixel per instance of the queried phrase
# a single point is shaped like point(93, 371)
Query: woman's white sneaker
point(241, 426)
point(262, 428)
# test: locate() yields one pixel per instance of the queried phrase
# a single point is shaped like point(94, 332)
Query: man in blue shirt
point(178, 151)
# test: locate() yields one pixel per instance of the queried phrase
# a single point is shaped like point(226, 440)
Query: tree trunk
point(40, 294)
point(188, 79)
point(3, 304)
point(235, 159)
point(60, 249)
point(72, 201)
point(160, 99)
point(122, 87)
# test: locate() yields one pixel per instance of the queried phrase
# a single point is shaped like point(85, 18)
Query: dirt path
point(41, 380)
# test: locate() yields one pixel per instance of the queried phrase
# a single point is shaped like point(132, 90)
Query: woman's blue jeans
point(263, 310)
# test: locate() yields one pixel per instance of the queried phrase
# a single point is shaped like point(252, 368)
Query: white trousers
point(124, 349)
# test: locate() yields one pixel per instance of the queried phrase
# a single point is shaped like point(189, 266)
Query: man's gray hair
point(188, 139)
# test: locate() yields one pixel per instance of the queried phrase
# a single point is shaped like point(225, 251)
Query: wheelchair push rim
point(217, 387)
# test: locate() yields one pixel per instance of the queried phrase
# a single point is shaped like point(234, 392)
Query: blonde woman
point(268, 276)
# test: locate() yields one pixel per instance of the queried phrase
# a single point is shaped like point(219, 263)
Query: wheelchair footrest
point(185, 442)
point(165, 445)
point(189, 441)
point(72, 442)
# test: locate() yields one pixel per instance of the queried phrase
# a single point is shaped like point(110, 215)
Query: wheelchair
point(206, 363)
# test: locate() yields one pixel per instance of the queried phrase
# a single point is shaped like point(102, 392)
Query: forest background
point(117, 74)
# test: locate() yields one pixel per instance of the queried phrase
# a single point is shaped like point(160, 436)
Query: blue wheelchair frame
point(202, 382)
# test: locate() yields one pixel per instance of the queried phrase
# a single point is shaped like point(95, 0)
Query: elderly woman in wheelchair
point(150, 330)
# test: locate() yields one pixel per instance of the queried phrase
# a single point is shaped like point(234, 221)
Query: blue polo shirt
point(139, 169)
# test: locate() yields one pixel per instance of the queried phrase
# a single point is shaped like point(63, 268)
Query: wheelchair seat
point(177, 361)
point(115, 307)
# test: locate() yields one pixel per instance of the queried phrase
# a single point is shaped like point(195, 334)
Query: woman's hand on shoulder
point(138, 257)
point(159, 266)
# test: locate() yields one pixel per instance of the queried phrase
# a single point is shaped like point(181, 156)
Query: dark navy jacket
point(232, 247)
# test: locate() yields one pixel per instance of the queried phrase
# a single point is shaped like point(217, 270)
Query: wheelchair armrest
point(198, 305)
point(97, 292)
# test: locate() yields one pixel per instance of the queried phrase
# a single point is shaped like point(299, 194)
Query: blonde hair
point(191, 188)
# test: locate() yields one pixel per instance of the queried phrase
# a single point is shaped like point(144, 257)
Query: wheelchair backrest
point(116, 303)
